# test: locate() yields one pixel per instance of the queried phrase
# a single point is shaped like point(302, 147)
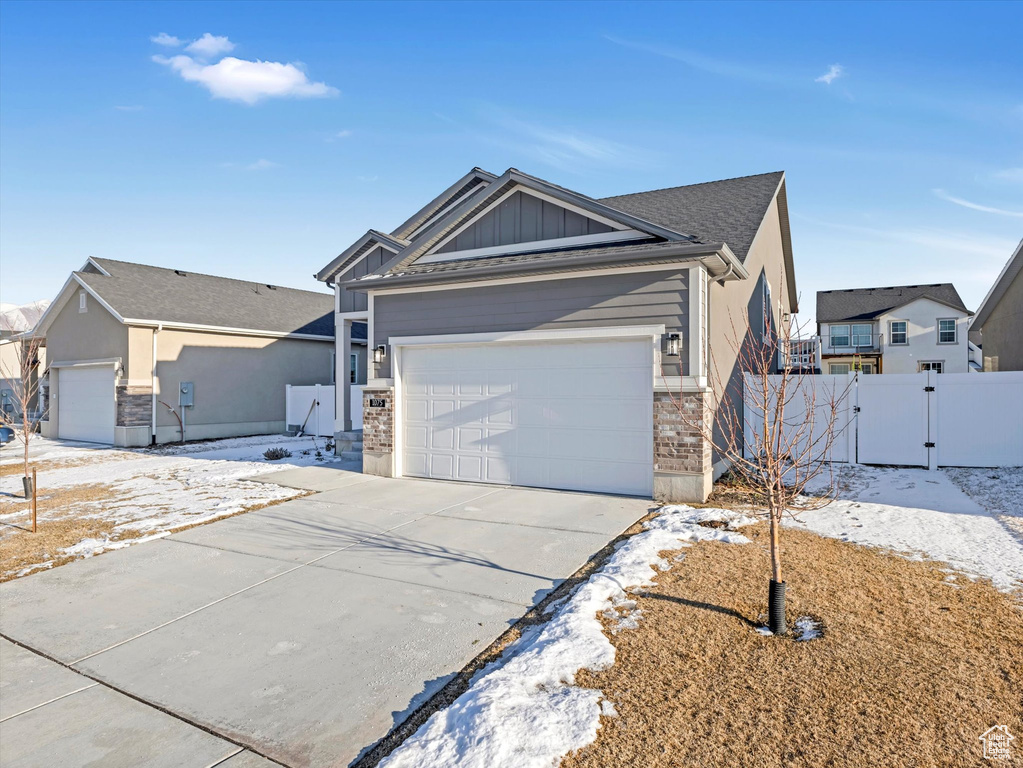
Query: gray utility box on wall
point(186, 394)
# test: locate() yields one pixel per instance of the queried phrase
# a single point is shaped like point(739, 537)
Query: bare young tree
point(774, 423)
point(21, 411)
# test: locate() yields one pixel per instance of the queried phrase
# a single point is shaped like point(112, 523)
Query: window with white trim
point(947, 331)
point(931, 365)
point(838, 368)
point(866, 367)
point(353, 368)
point(82, 302)
point(840, 335)
point(898, 332)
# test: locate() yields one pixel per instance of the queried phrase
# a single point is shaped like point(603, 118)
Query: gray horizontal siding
point(645, 298)
point(523, 218)
point(357, 302)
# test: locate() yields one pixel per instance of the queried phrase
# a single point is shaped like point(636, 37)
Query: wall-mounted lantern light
point(673, 344)
point(378, 354)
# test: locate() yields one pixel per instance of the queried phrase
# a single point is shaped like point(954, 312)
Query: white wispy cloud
point(340, 135)
point(167, 40)
point(564, 148)
point(834, 72)
point(976, 206)
point(210, 47)
point(247, 81)
point(259, 165)
point(129, 108)
point(698, 60)
point(1014, 175)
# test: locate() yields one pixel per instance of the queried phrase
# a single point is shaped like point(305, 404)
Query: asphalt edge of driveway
point(373, 754)
point(145, 702)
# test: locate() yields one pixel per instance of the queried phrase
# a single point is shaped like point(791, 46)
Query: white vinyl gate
point(920, 419)
point(892, 423)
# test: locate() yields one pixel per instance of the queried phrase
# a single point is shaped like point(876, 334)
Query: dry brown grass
point(65, 517)
point(911, 670)
point(59, 526)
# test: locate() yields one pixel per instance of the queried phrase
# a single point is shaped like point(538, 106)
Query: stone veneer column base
point(378, 432)
point(683, 469)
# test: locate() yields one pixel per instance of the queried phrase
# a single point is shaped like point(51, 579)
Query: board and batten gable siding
point(523, 218)
point(350, 301)
point(643, 298)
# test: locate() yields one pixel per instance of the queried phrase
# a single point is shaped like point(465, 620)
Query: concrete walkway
point(301, 633)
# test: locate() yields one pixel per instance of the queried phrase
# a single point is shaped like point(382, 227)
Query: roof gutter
point(721, 263)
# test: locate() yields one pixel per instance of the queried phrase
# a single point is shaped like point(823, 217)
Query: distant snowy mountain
point(15, 319)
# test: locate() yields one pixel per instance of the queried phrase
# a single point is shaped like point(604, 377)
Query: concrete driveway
point(302, 632)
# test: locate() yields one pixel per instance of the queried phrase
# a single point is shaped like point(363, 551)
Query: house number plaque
point(377, 402)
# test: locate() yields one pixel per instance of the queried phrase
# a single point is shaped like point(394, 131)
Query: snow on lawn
point(160, 489)
point(998, 490)
point(918, 512)
point(523, 710)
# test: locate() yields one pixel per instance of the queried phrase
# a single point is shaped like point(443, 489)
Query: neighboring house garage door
point(85, 403)
point(576, 415)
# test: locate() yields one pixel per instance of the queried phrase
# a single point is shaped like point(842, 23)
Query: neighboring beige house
point(133, 348)
point(525, 334)
point(12, 351)
point(999, 320)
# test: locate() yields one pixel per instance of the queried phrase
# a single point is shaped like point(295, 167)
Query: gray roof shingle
point(868, 303)
point(141, 292)
point(728, 211)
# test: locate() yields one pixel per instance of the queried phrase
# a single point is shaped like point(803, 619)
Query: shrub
point(273, 454)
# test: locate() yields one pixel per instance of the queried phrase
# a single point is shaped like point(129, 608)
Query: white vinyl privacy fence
point(314, 406)
point(917, 419)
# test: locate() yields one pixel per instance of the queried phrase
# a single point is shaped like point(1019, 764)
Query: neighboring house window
point(82, 306)
point(946, 331)
point(867, 368)
point(932, 365)
point(861, 335)
point(353, 368)
point(333, 367)
point(838, 368)
point(898, 332)
point(840, 335)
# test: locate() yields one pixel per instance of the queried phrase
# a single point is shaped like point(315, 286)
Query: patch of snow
point(921, 513)
point(94, 546)
point(807, 628)
point(524, 710)
point(999, 490)
point(160, 489)
point(764, 631)
point(607, 709)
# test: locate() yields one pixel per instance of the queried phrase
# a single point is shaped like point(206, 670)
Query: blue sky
point(900, 126)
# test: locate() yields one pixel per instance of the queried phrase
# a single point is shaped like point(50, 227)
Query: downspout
point(156, 330)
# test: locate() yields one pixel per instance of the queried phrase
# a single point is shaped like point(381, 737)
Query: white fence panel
point(312, 406)
point(979, 419)
point(356, 394)
point(892, 423)
point(828, 389)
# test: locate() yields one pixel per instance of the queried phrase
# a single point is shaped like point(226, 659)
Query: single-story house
point(522, 333)
point(1000, 318)
point(140, 354)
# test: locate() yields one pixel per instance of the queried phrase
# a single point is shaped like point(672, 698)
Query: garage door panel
point(469, 467)
point(85, 404)
point(416, 437)
point(573, 415)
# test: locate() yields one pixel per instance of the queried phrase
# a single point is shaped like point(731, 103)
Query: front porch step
point(348, 445)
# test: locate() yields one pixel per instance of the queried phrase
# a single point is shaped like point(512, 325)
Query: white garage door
point(574, 415)
point(85, 404)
